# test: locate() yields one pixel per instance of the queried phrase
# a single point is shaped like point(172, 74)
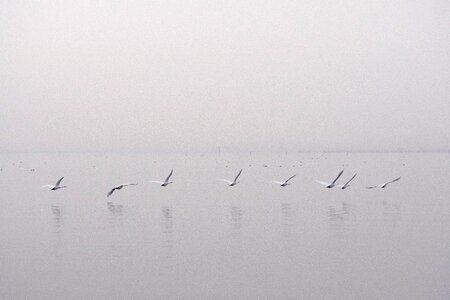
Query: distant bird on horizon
point(383, 185)
point(55, 187)
point(333, 184)
point(234, 182)
point(284, 183)
point(346, 185)
point(119, 187)
point(166, 182)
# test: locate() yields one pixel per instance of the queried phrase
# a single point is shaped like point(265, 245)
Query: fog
point(244, 75)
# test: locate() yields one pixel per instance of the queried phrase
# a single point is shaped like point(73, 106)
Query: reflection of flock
point(167, 181)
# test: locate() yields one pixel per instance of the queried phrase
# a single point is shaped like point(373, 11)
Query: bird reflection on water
point(167, 228)
point(236, 228)
point(287, 222)
point(58, 223)
point(115, 220)
point(391, 212)
point(340, 220)
point(115, 210)
point(167, 241)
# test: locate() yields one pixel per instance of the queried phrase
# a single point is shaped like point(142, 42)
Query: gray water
point(200, 239)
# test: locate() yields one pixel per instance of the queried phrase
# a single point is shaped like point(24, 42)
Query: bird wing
point(59, 181)
point(396, 179)
point(168, 177)
point(323, 183)
point(127, 184)
point(339, 175)
point(350, 180)
point(155, 181)
point(227, 181)
point(110, 192)
point(237, 176)
point(277, 182)
point(290, 178)
point(47, 185)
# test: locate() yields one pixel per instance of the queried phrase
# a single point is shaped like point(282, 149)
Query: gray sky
point(300, 75)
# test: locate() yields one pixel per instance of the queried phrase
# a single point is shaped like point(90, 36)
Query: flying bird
point(333, 184)
point(383, 185)
point(346, 185)
point(119, 187)
point(166, 182)
point(284, 183)
point(234, 182)
point(55, 187)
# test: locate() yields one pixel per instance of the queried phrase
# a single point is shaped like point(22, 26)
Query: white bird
point(284, 183)
point(234, 182)
point(55, 187)
point(119, 187)
point(333, 184)
point(346, 185)
point(166, 182)
point(383, 185)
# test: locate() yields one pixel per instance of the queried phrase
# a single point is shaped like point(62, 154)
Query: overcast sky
point(300, 75)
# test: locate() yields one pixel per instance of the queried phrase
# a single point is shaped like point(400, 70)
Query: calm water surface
point(200, 239)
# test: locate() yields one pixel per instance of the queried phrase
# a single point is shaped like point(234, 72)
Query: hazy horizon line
point(223, 150)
